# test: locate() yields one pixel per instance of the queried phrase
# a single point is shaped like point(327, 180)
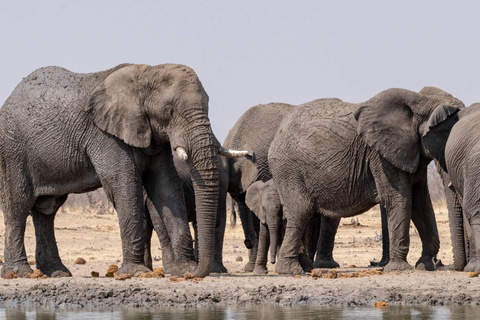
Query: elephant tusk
point(182, 154)
point(231, 153)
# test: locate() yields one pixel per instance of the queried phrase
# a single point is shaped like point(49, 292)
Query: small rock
point(123, 277)
point(109, 275)
point(32, 263)
point(91, 258)
point(381, 304)
point(95, 274)
point(80, 261)
point(159, 273)
point(317, 273)
point(297, 276)
point(332, 274)
point(473, 274)
point(113, 268)
point(352, 266)
point(1, 261)
point(239, 259)
point(37, 274)
point(10, 275)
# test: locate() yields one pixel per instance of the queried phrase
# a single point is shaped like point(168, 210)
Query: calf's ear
point(253, 199)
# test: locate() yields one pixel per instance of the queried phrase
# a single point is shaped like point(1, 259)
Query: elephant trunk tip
point(272, 259)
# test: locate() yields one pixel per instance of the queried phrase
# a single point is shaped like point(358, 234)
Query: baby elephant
point(262, 198)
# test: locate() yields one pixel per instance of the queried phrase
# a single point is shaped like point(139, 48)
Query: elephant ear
point(115, 107)
point(437, 130)
point(253, 200)
point(391, 130)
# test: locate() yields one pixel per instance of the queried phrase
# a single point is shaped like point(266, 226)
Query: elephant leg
point(262, 253)
point(15, 213)
point(169, 212)
point(14, 254)
point(312, 236)
point(251, 226)
point(326, 241)
point(458, 229)
point(218, 266)
point(385, 240)
point(123, 188)
point(46, 253)
point(474, 262)
point(288, 261)
point(148, 239)
point(168, 257)
point(423, 218)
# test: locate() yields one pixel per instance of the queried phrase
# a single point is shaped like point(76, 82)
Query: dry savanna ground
point(95, 237)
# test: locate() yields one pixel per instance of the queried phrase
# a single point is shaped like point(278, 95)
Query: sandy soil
point(96, 238)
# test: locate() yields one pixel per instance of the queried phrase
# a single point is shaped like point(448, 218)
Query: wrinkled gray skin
point(186, 178)
point(64, 132)
point(459, 163)
point(263, 199)
point(254, 131)
point(340, 159)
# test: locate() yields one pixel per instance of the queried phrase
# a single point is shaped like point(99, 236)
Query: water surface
point(263, 312)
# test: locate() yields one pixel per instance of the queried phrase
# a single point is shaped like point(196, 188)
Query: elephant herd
point(143, 134)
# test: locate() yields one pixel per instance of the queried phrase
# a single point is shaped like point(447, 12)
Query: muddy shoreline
point(407, 288)
point(96, 239)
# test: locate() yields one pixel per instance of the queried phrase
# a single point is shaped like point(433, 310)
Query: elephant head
point(396, 123)
point(150, 107)
point(263, 199)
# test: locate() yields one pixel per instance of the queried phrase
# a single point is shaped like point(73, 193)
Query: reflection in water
point(263, 312)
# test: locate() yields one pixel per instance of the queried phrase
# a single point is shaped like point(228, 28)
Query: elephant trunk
point(274, 234)
point(205, 178)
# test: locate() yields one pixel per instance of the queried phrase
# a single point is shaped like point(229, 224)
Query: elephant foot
point(249, 266)
point(260, 269)
point(56, 271)
point(305, 262)
point(180, 268)
point(133, 269)
point(425, 263)
point(21, 270)
point(473, 265)
point(218, 267)
point(381, 263)
point(288, 266)
point(397, 265)
point(327, 263)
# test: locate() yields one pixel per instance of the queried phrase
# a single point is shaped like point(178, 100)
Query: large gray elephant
point(64, 132)
point(459, 163)
point(254, 131)
point(340, 159)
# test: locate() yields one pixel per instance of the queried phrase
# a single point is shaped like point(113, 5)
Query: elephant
point(65, 132)
point(340, 159)
point(254, 131)
point(263, 200)
point(458, 165)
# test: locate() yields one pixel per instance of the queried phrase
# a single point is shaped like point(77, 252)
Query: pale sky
point(251, 52)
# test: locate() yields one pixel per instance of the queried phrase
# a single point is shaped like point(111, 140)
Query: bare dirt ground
point(96, 238)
